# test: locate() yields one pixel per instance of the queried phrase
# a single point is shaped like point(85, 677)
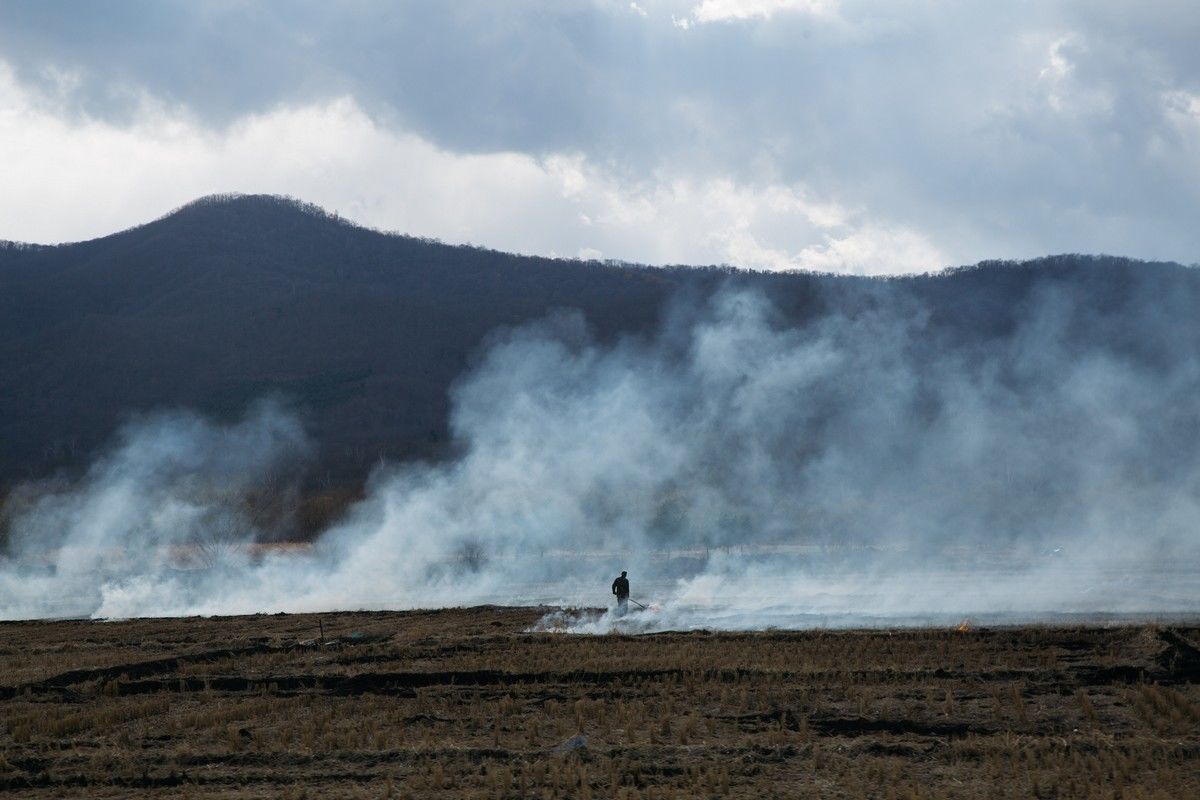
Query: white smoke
point(855, 470)
point(173, 489)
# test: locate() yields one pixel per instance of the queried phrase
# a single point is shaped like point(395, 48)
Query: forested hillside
point(233, 298)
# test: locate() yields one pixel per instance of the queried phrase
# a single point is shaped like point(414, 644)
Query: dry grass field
point(465, 703)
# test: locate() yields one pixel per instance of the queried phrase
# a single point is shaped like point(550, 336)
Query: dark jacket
point(621, 587)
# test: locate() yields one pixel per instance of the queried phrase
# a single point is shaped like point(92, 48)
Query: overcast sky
point(874, 136)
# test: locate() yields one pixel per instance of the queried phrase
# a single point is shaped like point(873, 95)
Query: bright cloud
point(1063, 93)
point(90, 178)
point(721, 10)
point(76, 180)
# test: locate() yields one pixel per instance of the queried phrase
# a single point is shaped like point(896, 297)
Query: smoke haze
point(861, 468)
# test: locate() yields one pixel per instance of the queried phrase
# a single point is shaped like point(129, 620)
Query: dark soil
point(468, 703)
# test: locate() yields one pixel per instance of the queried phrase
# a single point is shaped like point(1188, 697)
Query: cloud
point(982, 131)
point(723, 10)
point(335, 155)
point(872, 250)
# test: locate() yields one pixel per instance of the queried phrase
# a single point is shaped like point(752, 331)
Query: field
point(468, 703)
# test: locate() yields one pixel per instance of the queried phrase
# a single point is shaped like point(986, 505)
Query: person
point(620, 588)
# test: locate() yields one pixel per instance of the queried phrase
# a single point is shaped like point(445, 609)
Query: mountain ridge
point(289, 206)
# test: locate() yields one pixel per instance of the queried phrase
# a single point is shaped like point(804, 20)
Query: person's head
point(622, 573)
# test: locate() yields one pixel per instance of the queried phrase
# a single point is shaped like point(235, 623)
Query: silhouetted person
point(620, 588)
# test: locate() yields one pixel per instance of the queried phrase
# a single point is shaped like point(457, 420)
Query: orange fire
point(964, 626)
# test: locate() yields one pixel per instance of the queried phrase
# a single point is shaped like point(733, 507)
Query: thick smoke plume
point(857, 469)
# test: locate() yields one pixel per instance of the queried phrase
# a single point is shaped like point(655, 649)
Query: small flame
point(964, 626)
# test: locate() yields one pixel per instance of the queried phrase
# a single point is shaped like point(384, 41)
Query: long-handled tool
point(636, 603)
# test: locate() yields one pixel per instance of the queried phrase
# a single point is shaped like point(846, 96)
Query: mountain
point(231, 298)
point(235, 297)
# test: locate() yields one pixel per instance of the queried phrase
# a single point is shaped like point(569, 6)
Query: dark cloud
point(481, 77)
point(992, 130)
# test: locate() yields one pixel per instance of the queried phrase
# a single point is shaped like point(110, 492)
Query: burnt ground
point(466, 703)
